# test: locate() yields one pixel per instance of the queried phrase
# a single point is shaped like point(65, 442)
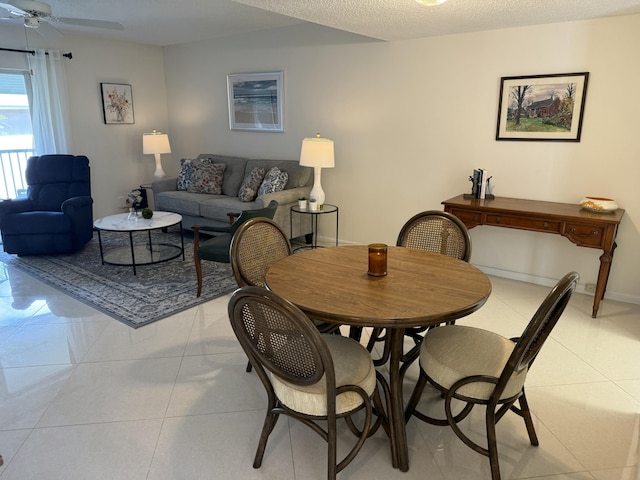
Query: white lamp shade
point(155, 143)
point(317, 152)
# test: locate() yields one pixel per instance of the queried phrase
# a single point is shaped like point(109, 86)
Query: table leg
point(603, 277)
point(133, 255)
point(101, 251)
point(396, 414)
point(182, 240)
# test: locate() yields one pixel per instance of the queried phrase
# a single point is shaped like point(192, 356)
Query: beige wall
point(412, 119)
point(115, 151)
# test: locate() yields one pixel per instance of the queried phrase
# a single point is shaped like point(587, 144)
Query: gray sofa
point(207, 209)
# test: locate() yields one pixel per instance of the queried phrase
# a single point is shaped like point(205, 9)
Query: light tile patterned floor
point(83, 397)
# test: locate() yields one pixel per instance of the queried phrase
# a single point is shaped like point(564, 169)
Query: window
point(16, 134)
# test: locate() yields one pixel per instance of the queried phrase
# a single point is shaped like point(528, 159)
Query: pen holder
point(377, 260)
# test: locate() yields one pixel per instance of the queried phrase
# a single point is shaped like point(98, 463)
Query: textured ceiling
point(167, 22)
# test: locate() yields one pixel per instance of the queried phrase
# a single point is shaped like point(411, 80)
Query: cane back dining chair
point(434, 231)
point(479, 367)
point(217, 249)
point(255, 247)
point(313, 376)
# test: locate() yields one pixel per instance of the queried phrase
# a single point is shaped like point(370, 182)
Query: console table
point(581, 227)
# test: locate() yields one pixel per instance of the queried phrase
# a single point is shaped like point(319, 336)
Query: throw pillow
point(274, 181)
point(185, 177)
point(208, 176)
point(251, 184)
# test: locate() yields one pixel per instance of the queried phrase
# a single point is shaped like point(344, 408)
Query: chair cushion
point(30, 223)
point(353, 366)
point(452, 352)
point(216, 249)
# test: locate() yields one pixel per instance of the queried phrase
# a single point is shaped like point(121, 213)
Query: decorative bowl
point(599, 204)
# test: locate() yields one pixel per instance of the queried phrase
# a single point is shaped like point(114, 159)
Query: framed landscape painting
point(255, 101)
point(117, 103)
point(542, 107)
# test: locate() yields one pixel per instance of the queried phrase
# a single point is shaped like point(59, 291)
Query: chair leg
point(526, 414)
point(415, 396)
point(269, 424)
point(492, 446)
point(198, 263)
point(332, 450)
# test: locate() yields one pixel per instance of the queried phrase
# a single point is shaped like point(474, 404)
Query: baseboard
point(549, 282)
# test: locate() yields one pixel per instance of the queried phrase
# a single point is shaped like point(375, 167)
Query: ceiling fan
point(38, 15)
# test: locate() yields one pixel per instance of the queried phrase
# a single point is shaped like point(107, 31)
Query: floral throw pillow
point(274, 181)
point(185, 177)
point(208, 176)
point(251, 184)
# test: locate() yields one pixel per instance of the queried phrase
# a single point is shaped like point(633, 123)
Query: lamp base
point(159, 173)
point(316, 191)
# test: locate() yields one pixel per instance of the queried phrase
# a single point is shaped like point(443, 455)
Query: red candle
point(377, 260)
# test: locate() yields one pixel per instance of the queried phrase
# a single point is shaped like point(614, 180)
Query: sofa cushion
point(185, 176)
point(251, 184)
point(217, 208)
point(233, 174)
point(184, 203)
point(274, 181)
point(207, 177)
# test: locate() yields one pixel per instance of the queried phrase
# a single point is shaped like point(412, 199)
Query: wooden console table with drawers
point(581, 227)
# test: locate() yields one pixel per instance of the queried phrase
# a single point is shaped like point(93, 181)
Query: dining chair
point(257, 244)
point(479, 367)
point(217, 248)
point(434, 231)
point(313, 377)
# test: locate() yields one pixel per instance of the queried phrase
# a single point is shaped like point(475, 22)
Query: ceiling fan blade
point(84, 22)
point(47, 30)
point(13, 10)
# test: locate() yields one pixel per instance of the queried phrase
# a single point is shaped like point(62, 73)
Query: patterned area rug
point(156, 292)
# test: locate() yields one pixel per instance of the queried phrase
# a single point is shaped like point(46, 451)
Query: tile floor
point(85, 397)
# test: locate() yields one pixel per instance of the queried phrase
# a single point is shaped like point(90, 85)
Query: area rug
point(156, 292)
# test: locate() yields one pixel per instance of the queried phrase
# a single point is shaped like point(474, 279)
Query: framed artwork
point(542, 107)
point(117, 103)
point(255, 101)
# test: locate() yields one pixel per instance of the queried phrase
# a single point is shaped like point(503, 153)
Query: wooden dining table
point(421, 289)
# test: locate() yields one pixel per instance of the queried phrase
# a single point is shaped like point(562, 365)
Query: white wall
point(114, 151)
point(412, 119)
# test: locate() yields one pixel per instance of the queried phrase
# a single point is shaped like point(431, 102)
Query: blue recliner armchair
point(57, 215)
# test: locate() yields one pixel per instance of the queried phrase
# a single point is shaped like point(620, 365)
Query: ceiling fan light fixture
point(430, 3)
point(31, 22)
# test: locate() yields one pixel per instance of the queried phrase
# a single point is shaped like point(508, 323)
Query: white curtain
point(50, 116)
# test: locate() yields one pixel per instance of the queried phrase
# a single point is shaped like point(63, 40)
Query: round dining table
point(420, 289)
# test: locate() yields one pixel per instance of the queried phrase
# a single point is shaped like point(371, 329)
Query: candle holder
point(377, 260)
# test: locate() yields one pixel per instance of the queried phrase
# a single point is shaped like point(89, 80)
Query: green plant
point(302, 198)
point(312, 200)
point(147, 213)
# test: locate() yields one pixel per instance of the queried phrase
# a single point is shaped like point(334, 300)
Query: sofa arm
point(71, 205)
point(18, 205)
point(283, 197)
point(164, 185)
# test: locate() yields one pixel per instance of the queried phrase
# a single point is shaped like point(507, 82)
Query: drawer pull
point(498, 219)
point(546, 225)
point(584, 235)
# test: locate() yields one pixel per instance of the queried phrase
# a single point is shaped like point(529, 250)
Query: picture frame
point(255, 101)
point(117, 103)
point(542, 107)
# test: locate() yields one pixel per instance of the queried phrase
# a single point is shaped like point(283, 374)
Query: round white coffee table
point(136, 255)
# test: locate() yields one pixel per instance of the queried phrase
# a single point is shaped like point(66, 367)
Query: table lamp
point(317, 153)
point(156, 143)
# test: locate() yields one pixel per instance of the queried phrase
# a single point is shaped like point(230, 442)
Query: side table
point(314, 215)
